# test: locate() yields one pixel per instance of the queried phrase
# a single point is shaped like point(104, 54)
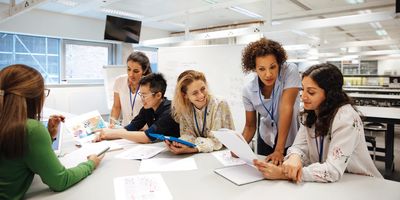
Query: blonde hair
point(180, 104)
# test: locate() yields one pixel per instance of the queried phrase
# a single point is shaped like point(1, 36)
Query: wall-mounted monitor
point(121, 29)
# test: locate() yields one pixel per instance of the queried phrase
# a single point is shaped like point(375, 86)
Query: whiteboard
point(222, 66)
point(111, 72)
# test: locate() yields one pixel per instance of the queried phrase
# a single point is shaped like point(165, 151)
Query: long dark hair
point(330, 79)
point(21, 97)
point(142, 59)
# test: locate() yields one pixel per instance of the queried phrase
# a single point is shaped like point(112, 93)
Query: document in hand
point(83, 126)
point(239, 174)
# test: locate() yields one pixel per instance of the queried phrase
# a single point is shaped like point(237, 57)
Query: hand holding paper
point(235, 142)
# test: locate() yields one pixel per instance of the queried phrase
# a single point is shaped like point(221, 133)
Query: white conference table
point(203, 183)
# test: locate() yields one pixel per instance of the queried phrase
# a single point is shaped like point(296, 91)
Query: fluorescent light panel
point(381, 32)
point(67, 3)
point(121, 13)
point(245, 12)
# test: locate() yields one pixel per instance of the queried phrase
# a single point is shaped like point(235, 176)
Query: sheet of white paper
point(107, 143)
point(234, 142)
point(226, 158)
point(140, 152)
point(124, 143)
point(74, 158)
point(167, 164)
point(240, 174)
point(141, 187)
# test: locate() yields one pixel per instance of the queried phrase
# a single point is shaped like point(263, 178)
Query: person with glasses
point(272, 92)
point(25, 143)
point(126, 88)
point(156, 114)
point(331, 138)
point(198, 113)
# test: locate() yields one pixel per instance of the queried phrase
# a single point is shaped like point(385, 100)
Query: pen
point(102, 152)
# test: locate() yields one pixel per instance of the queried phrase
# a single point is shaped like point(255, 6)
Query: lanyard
point(134, 99)
point(321, 149)
point(270, 113)
point(204, 121)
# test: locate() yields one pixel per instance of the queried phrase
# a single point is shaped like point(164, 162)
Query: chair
point(372, 128)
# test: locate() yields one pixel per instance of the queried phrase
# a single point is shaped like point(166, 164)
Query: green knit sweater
point(16, 175)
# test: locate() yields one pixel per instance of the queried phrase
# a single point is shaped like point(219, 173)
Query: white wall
point(71, 99)
point(391, 66)
point(77, 99)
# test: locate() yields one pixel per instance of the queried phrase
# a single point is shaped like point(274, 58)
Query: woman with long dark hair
point(331, 139)
point(25, 144)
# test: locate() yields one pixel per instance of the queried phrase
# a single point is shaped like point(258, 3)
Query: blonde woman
point(198, 113)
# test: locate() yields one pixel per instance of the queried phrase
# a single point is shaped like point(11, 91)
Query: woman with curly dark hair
point(273, 93)
point(331, 138)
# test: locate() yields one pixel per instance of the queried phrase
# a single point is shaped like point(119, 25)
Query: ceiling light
point(121, 13)
point(355, 1)
point(381, 32)
point(245, 12)
point(296, 47)
point(67, 3)
point(210, 1)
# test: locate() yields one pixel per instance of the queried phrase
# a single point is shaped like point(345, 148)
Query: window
point(152, 54)
point(84, 61)
point(41, 53)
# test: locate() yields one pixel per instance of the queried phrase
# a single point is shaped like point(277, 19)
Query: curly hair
point(262, 47)
point(330, 79)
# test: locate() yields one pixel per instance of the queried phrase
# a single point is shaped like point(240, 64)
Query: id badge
point(268, 131)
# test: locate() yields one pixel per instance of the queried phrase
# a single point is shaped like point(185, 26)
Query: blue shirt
point(289, 77)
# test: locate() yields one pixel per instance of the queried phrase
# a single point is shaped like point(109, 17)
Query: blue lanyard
point(204, 121)
point(321, 149)
point(270, 113)
point(134, 99)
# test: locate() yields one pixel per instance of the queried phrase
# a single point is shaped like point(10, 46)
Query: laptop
point(58, 142)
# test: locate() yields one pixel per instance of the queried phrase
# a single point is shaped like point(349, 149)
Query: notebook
point(56, 143)
point(238, 174)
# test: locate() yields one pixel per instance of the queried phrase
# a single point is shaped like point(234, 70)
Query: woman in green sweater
point(25, 144)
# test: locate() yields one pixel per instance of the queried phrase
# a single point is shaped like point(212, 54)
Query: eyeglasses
point(144, 96)
point(46, 92)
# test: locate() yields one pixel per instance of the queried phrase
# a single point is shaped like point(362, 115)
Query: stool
point(372, 141)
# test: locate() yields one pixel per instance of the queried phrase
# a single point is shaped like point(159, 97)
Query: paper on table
point(234, 142)
point(140, 152)
point(80, 155)
point(167, 164)
point(124, 142)
point(226, 158)
point(148, 186)
point(240, 174)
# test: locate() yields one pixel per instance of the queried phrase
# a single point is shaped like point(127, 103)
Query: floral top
point(218, 115)
point(343, 150)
